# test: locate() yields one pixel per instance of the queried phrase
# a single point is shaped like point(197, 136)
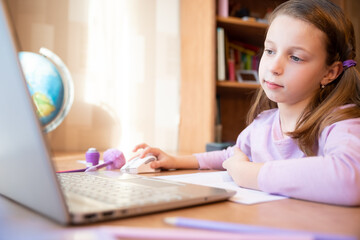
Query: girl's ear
point(332, 73)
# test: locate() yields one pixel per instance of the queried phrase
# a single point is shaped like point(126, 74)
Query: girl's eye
point(269, 52)
point(296, 59)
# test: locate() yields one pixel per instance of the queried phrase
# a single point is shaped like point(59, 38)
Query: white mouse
point(140, 165)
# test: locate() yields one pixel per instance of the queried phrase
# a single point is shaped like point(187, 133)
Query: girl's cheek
point(261, 70)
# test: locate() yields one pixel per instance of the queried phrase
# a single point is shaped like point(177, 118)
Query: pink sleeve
point(214, 160)
point(331, 177)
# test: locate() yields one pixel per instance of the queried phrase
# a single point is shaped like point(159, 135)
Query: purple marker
point(251, 229)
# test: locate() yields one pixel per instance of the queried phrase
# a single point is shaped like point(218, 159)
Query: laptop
point(27, 174)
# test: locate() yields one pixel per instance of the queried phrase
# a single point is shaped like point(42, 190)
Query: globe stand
point(68, 88)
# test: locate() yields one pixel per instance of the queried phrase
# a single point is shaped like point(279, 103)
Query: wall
point(124, 57)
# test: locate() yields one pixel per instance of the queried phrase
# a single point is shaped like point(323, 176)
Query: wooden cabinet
point(199, 87)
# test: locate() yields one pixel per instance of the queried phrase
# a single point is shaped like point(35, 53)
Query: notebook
point(27, 174)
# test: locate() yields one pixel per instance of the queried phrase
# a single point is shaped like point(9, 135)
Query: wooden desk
point(17, 222)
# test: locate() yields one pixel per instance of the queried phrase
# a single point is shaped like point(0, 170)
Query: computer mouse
point(140, 165)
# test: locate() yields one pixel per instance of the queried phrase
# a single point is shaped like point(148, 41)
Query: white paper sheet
point(222, 179)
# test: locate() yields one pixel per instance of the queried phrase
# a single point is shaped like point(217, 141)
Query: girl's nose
point(276, 66)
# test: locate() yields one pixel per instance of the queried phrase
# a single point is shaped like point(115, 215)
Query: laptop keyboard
point(108, 190)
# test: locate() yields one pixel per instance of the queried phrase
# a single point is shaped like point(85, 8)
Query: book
point(223, 8)
point(245, 55)
point(221, 69)
point(231, 65)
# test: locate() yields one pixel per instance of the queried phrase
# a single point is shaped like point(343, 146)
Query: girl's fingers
point(160, 164)
point(149, 150)
point(162, 158)
point(155, 164)
point(237, 150)
point(140, 146)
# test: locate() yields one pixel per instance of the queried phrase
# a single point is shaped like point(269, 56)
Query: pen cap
point(116, 157)
point(92, 156)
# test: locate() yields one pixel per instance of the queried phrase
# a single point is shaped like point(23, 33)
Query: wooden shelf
point(239, 22)
point(236, 89)
point(241, 85)
point(250, 32)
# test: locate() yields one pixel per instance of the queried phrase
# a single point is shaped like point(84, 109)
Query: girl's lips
point(272, 85)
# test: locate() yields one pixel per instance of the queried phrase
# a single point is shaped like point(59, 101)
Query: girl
point(303, 137)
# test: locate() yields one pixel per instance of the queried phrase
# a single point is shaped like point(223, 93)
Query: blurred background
point(143, 70)
point(124, 58)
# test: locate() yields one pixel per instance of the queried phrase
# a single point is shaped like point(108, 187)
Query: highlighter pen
point(243, 228)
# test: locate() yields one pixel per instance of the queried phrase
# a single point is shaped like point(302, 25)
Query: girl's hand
point(243, 172)
point(165, 160)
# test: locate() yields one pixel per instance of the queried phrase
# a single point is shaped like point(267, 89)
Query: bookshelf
point(199, 86)
point(200, 89)
point(234, 97)
point(235, 28)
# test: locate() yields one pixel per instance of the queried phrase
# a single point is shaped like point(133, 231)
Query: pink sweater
point(333, 176)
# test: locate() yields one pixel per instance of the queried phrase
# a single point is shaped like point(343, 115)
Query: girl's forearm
point(186, 162)
point(245, 174)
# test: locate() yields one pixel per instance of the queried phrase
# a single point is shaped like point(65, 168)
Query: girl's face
point(293, 65)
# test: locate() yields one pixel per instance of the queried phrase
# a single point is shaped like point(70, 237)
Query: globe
point(50, 86)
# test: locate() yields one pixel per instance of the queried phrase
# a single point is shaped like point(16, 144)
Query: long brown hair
point(340, 46)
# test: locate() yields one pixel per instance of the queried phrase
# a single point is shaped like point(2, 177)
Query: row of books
point(236, 60)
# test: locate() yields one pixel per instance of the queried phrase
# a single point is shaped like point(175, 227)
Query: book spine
point(231, 66)
point(221, 71)
point(223, 8)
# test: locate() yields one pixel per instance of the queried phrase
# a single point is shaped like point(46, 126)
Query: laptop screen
point(26, 172)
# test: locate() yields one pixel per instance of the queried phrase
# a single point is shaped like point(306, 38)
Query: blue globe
point(50, 86)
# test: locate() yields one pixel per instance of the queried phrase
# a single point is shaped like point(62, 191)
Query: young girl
point(303, 137)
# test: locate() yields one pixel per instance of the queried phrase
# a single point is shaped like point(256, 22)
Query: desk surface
point(287, 213)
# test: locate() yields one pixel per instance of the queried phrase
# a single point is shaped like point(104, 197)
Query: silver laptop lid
point(26, 172)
